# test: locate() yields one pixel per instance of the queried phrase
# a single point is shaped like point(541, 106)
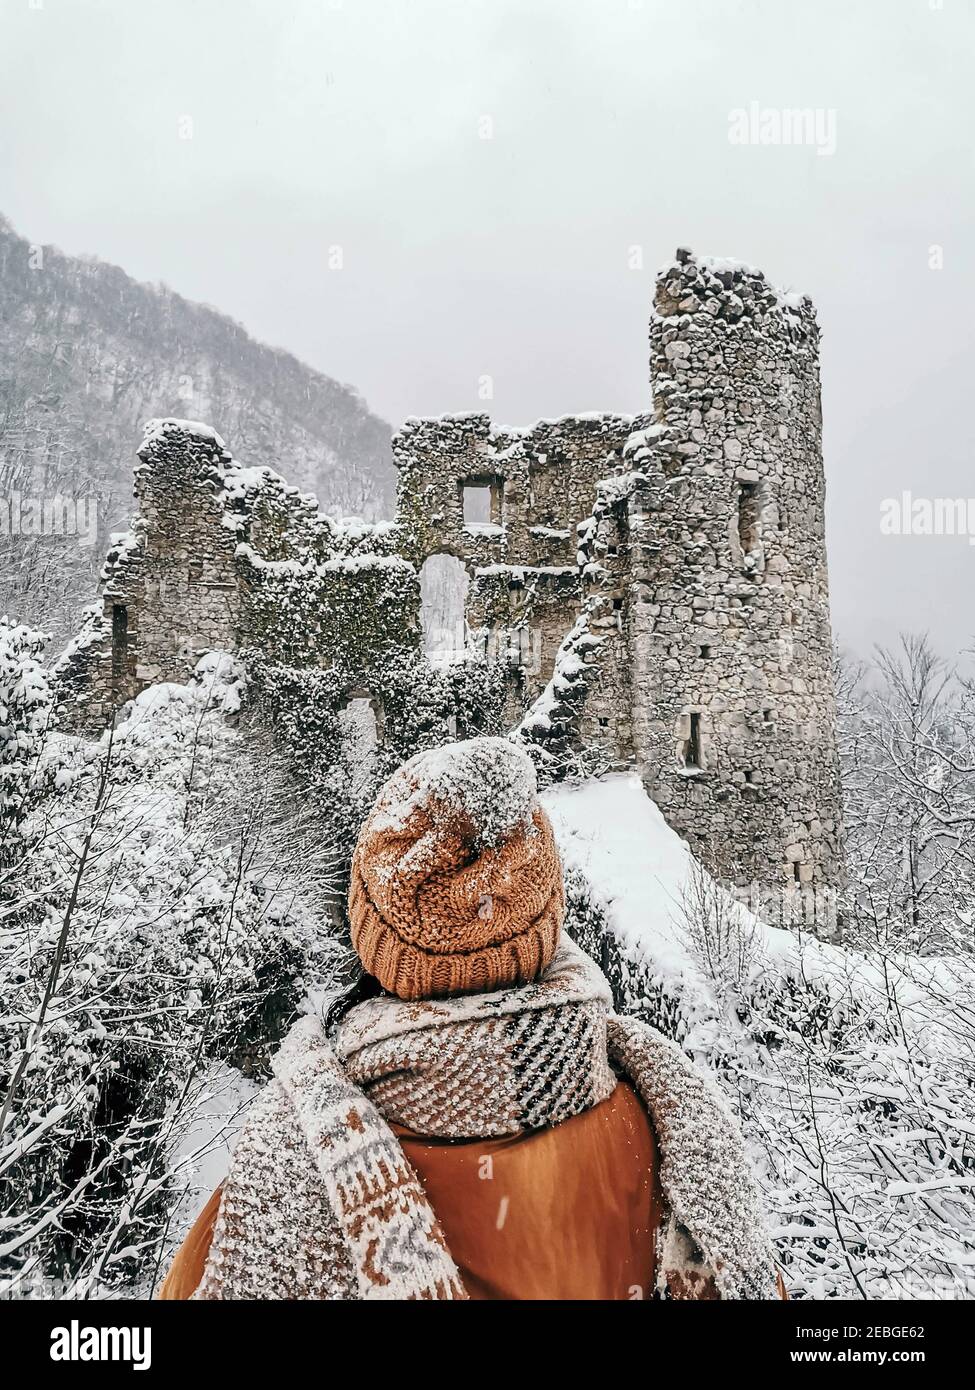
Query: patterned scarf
point(475, 1066)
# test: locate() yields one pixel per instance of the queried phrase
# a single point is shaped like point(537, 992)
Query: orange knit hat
point(456, 880)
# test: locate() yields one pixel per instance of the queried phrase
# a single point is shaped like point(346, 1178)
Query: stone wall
point(170, 588)
point(526, 585)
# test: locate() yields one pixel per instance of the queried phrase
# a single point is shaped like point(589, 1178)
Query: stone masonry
point(654, 586)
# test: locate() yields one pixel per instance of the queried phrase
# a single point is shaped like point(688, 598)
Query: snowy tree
point(25, 713)
point(166, 922)
point(907, 748)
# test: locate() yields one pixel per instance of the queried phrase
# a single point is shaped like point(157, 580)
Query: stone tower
point(728, 615)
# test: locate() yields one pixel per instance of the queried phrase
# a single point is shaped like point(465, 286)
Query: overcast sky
point(360, 124)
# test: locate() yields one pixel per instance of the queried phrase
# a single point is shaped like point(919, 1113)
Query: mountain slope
point(88, 354)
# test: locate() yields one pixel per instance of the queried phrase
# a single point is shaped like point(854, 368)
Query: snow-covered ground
point(637, 867)
point(642, 877)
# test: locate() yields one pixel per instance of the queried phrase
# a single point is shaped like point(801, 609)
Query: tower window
point(689, 743)
point(692, 754)
point(749, 517)
point(120, 638)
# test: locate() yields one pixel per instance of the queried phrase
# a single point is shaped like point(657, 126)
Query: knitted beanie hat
point(456, 880)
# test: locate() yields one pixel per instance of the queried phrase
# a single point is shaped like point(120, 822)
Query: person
point(480, 1123)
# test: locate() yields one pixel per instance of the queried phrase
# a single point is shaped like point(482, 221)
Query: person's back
point(482, 1125)
point(570, 1212)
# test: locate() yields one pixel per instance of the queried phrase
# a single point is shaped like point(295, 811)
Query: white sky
point(356, 123)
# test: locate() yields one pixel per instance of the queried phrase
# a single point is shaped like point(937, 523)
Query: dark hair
point(363, 987)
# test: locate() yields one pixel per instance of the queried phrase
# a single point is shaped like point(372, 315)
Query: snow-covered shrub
point(421, 706)
point(907, 756)
point(168, 917)
point(550, 729)
point(853, 1078)
point(720, 937)
point(637, 990)
point(25, 713)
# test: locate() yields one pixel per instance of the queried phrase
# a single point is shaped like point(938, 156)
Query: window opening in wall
point(443, 603)
point(689, 748)
point(120, 638)
point(692, 756)
point(196, 571)
point(481, 501)
point(706, 652)
point(477, 505)
point(749, 518)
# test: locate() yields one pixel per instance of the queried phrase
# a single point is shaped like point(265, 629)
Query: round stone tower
point(734, 707)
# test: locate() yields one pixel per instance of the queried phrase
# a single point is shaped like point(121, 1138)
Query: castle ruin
point(652, 588)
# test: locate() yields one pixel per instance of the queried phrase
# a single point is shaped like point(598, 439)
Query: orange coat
point(570, 1212)
point(563, 1213)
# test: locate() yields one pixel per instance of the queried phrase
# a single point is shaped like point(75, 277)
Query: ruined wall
point(523, 559)
point(170, 589)
point(643, 592)
point(229, 557)
point(223, 556)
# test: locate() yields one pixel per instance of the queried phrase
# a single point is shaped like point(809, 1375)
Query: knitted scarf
point(475, 1066)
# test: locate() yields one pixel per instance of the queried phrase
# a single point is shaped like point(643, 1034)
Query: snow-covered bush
point(907, 755)
point(854, 1077)
point(551, 727)
point(167, 917)
point(25, 713)
point(422, 706)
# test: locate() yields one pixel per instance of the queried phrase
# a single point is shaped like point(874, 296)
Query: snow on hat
point(456, 880)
